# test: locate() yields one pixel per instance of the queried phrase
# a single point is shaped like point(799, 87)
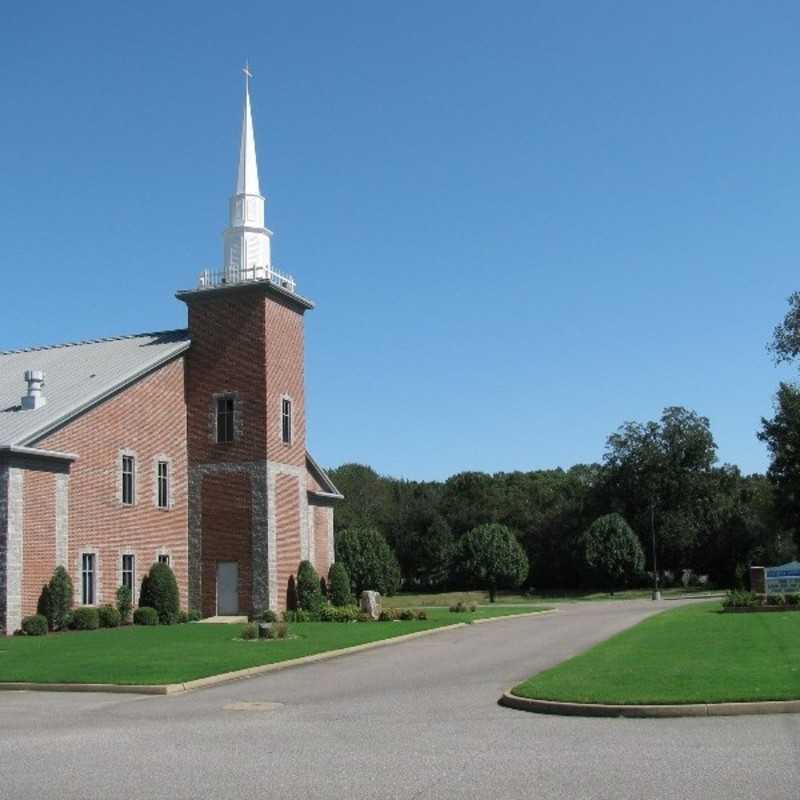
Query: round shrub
point(339, 585)
point(347, 613)
point(35, 625)
point(491, 556)
point(309, 596)
point(85, 618)
point(194, 615)
point(385, 616)
point(327, 614)
point(406, 614)
point(269, 616)
point(108, 617)
point(160, 591)
point(278, 630)
point(422, 614)
point(183, 617)
point(144, 615)
point(612, 552)
point(250, 632)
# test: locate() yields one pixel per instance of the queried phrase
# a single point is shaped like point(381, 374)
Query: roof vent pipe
point(35, 380)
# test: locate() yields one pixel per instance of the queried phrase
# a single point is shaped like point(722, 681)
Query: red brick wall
point(322, 562)
point(148, 418)
point(226, 535)
point(287, 515)
point(39, 535)
point(285, 376)
point(227, 355)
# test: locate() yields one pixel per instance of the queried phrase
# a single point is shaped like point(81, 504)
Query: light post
point(656, 592)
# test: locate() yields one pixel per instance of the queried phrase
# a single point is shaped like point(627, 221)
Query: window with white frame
point(128, 480)
point(286, 420)
point(163, 558)
point(88, 576)
point(128, 571)
point(162, 480)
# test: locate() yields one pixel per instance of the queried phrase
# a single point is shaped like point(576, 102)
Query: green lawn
point(692, 654)
point(178, 653)
point(478, 597)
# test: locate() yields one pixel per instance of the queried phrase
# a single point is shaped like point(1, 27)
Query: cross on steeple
point(246, 70)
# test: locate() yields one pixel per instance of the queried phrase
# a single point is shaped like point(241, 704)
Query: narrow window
point(128, 571)
point(128, 467)
point(286, 420)
point(87, 579)
point(163, 559)
point(225, 419)
point(163, 484)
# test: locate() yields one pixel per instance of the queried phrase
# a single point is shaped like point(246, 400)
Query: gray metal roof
point(76, 377)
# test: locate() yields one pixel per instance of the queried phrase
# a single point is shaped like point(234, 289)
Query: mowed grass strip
point(446, 599)
point(178, 653)
point(692, 654)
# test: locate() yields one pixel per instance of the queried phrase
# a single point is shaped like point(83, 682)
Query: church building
point(183, 446)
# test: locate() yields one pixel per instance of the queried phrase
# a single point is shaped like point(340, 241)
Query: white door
point(227, 588)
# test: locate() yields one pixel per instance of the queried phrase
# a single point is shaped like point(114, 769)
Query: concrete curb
point(224, 677)
point(515, 616)
point(649, 711)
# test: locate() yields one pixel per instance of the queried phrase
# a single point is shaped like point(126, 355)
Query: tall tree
point(782, 437)
point(656, 474)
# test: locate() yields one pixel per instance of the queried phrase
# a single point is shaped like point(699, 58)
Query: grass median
point(178, 653)
point(693, 654)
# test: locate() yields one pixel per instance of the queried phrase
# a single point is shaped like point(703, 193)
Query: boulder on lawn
point(371, 604)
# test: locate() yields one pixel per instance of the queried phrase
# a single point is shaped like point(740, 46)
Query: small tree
point(55, 601)
point(160, 591)
point(309, 597)
point(492, 557)
point(339, 585)
point(124, 604)
point(369, 560)
point(612, 551)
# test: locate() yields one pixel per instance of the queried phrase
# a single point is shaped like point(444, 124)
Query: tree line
point(661, 477)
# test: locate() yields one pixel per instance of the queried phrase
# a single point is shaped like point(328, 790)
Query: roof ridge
point(38, 348)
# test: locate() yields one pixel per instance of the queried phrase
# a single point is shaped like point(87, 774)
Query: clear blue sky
point(523, 223)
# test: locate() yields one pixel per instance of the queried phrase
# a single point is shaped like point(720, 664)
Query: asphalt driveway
point(414, 720)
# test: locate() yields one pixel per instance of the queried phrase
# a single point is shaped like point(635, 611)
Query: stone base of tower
point(255, 522)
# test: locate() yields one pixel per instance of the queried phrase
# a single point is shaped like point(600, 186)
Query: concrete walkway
point(418, 720)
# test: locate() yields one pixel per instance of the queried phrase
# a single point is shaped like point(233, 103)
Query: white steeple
point(247, 241)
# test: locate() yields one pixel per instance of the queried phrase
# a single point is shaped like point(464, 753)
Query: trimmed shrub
point(160, 591)
point(108, 617)
point(269, 616)
point(323, 588)
point(775, 600)
point(35, 625)
point(297, 616)
point(250, 632)
point(363, 617)
point(183, 617)
point(309, 597)
point(742, 600)
point(55, 601)
point(422, 614)
point(406, 614)
point(339, 585)
point(85, 618)
point(124, 604)
point(327, 614)
point(347, 613)
point(278, 630)
point(792, 599)
point(194, 615)
point(385, 616)
point(144, 615)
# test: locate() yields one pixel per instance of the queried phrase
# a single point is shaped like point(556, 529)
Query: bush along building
point(186, 447)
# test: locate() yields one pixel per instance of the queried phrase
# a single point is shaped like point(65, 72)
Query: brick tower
point(258, 503)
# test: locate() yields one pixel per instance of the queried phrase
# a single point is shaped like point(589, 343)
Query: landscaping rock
point(371, 604)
